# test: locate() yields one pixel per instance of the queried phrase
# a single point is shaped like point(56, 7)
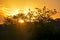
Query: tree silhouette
point(40, 26)
point(45, 13)
point(39, 15)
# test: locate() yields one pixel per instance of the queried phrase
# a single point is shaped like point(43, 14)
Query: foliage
point(37, 15)
point(39, 27)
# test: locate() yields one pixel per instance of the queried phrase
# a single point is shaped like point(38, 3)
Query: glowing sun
point(21, 21)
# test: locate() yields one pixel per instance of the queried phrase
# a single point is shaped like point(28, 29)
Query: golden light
point(15, 12)
point(21, 21)
point(25, 11)
point(10, 12)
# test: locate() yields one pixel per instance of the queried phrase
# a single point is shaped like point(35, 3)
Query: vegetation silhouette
point(40, 27)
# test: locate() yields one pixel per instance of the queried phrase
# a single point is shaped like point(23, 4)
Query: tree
point(45, 14)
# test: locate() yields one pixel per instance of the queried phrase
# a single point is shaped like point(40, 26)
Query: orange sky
point(23, 4)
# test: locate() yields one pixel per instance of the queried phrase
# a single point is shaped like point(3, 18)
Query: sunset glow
point(29, 19)
point(14, 7)
point(21, 21)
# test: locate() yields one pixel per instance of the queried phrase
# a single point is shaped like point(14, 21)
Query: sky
point(23, 4)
